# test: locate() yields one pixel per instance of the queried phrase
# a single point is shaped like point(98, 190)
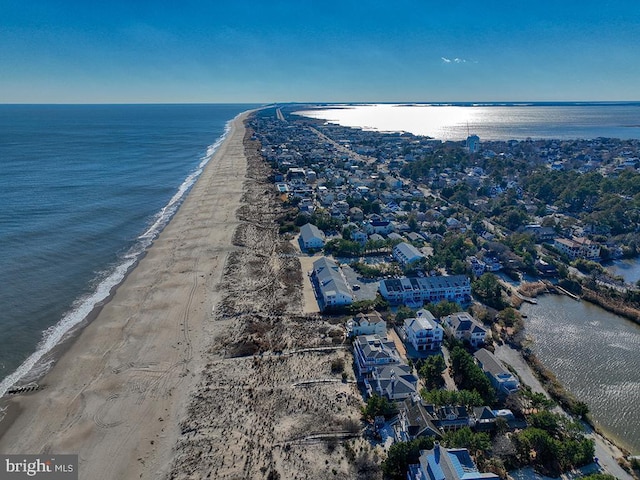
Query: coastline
point(119, 388)
point(161, 402)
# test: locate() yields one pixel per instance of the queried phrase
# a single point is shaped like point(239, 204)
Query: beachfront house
point(330, 285)
point(372, 351)
point(462, 326)
point(311, 238)
point(394, 382)
point(414, 421)
point(502, 379)
point(370, 323)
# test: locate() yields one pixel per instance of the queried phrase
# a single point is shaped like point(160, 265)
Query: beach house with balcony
point(371, 351)
point(395, 382)
point(366, 324)
point(423, 332)
point(416, 291)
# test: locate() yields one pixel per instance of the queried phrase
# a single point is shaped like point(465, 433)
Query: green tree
point(378, 406)
point(488, 289)
point(443, 308)
point(467, 398)
point(546, 421)
point(404, 313)
point(470, 376)
point(431, 370)
point(403, 454)
point(465, 438)
point(343, 248)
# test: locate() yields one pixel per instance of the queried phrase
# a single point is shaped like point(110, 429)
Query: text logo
point(45, 467)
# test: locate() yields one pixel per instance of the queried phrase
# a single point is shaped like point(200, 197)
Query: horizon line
point(266, 104)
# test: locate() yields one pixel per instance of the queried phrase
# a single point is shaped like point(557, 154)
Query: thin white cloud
point(457, 60)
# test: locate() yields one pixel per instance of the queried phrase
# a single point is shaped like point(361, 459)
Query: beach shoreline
point(119, 388)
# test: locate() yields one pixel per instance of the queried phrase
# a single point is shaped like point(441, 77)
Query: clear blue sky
point(133, 51)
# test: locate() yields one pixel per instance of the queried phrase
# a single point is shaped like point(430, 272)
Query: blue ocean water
point(84, 189)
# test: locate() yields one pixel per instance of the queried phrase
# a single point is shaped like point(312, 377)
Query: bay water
point(594, 354)
point(492, 121)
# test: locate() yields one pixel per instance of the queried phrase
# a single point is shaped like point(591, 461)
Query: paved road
point(448, 380)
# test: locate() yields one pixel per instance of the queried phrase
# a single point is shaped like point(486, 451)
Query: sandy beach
point(116, 395)
point(203, 365)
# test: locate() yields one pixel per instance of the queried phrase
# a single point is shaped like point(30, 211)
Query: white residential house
point(367, 324)
point(370, 351)
point(423, 332)
point(578, 247)
point(501, 378)
point(406, 254)
point(331, 287)
point(311, 237)
point(395, 382)
point(417, 291)
point(463, 326)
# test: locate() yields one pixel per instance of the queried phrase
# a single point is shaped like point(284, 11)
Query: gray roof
point(374, 346)
point(370, 317)
point(329, 278)
point(420, 423)
point(397, 379)
point(419, 324)
point(483, 413)
point(463, 322)
point(309, 232)
point(490, 363)
point(426, 283)
point(408, 250)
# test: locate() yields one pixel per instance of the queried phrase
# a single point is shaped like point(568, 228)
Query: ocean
point(84, 190)
point(492, 121)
